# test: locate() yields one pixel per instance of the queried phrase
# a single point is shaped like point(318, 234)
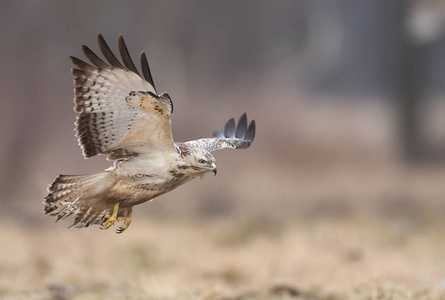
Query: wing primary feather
point(229, 128)
point(125, 55)
point(107, 53)
point(241, 127)
point(250, 135)
point(146, 70)
point(218, 134)
point(94, 58)
point(81, 64)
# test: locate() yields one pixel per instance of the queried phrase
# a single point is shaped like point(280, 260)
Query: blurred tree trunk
point(418, 28)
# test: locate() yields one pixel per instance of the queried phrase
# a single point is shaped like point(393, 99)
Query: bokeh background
point(342, 193)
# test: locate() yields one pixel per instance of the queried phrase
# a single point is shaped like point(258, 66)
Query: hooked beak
point(214, 170)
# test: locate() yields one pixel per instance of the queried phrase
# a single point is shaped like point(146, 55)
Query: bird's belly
point(139, 191)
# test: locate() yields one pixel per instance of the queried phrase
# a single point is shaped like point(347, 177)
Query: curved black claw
point(124, 226)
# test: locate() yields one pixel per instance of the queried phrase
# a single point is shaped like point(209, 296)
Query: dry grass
point(345, 258)
point(320, 230)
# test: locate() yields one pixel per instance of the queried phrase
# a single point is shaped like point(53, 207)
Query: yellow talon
point(109, 220)
point(127, 222)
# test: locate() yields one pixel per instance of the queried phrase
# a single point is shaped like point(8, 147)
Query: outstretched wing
point(120, 113)
point(239, 137)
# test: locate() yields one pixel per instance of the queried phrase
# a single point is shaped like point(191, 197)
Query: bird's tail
point(77, 194)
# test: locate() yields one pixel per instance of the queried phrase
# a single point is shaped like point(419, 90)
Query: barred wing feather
point(120, 113)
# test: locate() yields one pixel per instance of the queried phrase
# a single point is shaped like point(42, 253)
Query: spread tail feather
point(77, 194)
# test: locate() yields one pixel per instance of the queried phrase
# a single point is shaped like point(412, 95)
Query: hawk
point(121, 115)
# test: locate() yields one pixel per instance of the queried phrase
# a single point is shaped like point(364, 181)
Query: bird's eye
point(201, 161)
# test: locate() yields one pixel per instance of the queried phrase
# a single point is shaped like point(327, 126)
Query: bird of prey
point(121, 115)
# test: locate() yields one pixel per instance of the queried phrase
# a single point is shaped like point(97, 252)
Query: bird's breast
point(139, 180)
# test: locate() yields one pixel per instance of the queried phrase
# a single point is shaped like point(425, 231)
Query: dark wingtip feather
point(146, 70)
point(229, 128)
point(250, 135)
point(81, 64)
point(107, 53)
point(241, 127)
point(125, 55)
point(94, 58)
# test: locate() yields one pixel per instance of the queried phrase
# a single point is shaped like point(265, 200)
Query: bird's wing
point(120, 113)
point(239, 137)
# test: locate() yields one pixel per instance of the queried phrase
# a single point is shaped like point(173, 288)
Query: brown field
point(331, 228)
point(333, 258)
point(357, 230)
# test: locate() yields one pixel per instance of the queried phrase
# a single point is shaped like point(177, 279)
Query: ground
point(359, 231)
point(226, 258)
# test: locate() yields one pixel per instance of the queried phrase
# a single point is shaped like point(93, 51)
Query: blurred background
point(348, 98)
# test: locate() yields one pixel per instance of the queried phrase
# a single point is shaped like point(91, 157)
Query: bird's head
point(200, 162)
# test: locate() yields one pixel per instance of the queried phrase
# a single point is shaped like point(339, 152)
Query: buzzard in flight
point(121, 115)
